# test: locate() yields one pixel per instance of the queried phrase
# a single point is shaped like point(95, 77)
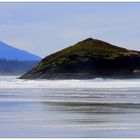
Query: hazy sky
point(44, 28)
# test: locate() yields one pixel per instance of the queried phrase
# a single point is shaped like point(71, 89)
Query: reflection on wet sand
point(91, 113)
point(92, 108)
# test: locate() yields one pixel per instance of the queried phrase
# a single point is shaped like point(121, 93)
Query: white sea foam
point(12, 82)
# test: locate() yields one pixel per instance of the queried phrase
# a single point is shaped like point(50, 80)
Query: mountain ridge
point(11, 53)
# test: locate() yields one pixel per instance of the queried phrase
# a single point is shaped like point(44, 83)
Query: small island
point(90, 58)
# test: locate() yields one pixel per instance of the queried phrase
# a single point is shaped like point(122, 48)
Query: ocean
point(69, 108)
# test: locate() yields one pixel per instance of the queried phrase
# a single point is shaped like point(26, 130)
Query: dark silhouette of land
point(88, 59)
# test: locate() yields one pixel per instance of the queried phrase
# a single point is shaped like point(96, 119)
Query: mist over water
point(69, 108)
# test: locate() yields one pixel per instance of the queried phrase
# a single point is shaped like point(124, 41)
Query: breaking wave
point(13, 82)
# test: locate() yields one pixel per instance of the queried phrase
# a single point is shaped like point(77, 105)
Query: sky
point(44, 28)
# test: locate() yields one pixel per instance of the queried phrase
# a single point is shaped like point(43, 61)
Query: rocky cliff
point(87, 59)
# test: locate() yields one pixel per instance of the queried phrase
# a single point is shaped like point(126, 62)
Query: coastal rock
point(87, 59)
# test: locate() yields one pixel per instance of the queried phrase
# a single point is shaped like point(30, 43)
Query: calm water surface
point(69, 108)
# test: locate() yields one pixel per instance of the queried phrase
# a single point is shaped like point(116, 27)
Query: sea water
point(69, 108)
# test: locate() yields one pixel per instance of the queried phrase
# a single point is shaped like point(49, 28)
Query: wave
point(13, 82)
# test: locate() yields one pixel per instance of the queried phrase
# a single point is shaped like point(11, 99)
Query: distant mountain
point(90, 58)
point(14, 61)
point(10, 53)
point(16, 67)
